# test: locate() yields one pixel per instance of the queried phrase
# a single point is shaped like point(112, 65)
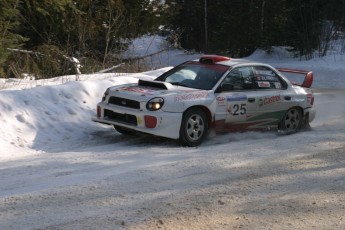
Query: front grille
point(119, 117)
point(124, 102)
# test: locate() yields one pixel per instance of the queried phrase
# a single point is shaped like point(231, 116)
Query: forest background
point(48, 38)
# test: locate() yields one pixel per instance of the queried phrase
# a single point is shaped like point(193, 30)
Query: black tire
point(194, 127)
point(124, 131)
point(306, 125)
point(292, 121)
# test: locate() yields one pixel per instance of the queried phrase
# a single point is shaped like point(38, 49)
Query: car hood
point(146, 90)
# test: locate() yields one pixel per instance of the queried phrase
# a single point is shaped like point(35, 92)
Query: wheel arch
point(295, 106)
point(305, 118)
point(205, 110)
point(298, 107)
point(301, 110)
point(194, 125)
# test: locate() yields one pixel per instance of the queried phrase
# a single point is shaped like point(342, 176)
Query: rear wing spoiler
point(308, 76)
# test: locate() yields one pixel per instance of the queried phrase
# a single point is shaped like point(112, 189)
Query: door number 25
point(239, 109)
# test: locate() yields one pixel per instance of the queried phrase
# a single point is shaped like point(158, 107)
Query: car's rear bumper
point(310, 112)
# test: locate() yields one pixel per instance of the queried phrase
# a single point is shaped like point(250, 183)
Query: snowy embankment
point(43, 117)
point(329, 71)
point(59, 170)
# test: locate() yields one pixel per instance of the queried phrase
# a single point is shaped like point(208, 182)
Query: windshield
point(194, 75)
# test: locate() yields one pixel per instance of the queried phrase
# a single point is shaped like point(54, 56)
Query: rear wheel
point(194, 127)
point(292, 121)
point(123, 130)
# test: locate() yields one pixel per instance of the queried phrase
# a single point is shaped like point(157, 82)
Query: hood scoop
point(155, 84)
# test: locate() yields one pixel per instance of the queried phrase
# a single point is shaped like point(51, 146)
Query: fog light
point(150, 121)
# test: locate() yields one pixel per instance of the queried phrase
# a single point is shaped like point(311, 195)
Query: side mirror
point(225, 87)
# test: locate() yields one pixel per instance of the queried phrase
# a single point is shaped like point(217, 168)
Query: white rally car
point(212, 92)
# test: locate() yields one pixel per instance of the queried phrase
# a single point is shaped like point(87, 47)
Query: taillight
point(310, 98)
point(99, 111)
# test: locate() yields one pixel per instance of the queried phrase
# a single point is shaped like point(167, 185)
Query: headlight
point(105, 94)
point(155, 104)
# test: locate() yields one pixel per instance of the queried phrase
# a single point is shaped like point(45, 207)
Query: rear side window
point(266, 78)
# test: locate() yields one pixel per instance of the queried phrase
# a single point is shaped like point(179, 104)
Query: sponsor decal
point(271, 100)
point(140, 120)
point(264, 84)
point(190, 96)
point(263, 72)
point(220, 100)
point(140, 90)
point(266, 78)
point(236, 97)
point(183, 91)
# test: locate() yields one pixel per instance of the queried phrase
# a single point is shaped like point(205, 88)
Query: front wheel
point(292, 121)
point(194, 127)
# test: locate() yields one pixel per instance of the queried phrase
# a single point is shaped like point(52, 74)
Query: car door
point(270, 100)
point(251, 98)
point(236, 100)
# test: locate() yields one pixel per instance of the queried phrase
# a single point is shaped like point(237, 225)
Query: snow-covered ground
point(59, 170)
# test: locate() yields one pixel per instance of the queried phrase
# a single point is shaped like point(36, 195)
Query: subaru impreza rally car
point(215, 92)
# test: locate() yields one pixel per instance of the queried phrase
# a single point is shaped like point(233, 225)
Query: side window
point(233, 79)
point(247, 80)
point(266, 78)
point(241, 78)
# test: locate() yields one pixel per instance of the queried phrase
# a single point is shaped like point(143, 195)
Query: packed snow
point(60, 170)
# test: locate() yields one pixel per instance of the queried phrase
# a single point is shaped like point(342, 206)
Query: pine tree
point(9, 38)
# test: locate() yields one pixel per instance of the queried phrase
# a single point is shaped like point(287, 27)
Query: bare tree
point(112, 25)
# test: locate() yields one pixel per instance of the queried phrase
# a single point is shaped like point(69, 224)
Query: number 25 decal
point(239, 109)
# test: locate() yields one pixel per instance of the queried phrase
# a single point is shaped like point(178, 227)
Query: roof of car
point(215, 59)
point(234, 61)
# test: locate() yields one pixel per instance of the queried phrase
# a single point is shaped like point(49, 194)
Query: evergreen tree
point(9, 38)
point(87, 29)
point(238, 27)
point(189, 20)
point(304, 24)
point(96, 31)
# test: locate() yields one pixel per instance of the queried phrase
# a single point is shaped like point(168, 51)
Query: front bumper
point(159, 123)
